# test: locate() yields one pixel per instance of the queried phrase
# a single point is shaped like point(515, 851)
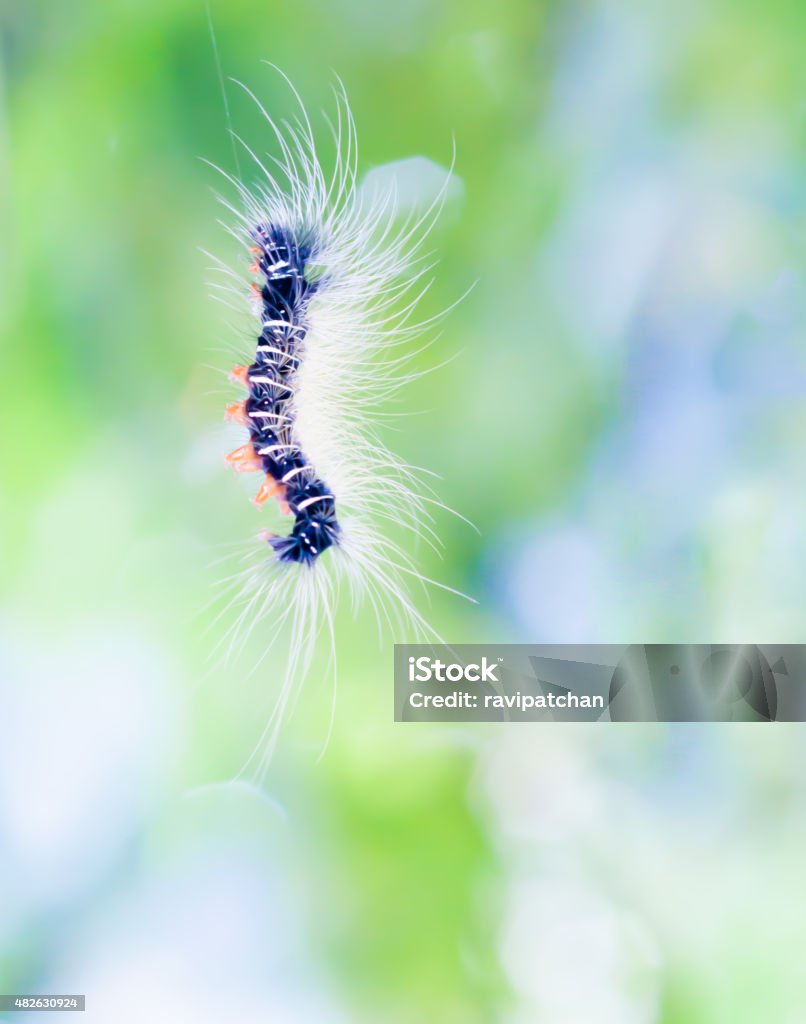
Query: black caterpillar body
point(284, 296)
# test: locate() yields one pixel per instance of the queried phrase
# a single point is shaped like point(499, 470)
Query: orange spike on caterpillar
point(236, 413)
point(245, 459)
point(270, 488)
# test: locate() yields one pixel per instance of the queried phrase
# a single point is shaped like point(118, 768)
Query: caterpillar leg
point(236, 413)
point(268, 489)
point(245, 459)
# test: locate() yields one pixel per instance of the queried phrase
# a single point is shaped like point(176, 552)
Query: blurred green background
point(623, 421)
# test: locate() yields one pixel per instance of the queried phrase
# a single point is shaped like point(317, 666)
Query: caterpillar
point(336, 276)
point(268, 412)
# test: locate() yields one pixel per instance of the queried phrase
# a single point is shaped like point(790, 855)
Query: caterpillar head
point(310, 537)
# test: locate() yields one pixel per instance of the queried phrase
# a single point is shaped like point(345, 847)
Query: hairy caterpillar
point(337, 274)
point(282, 256)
